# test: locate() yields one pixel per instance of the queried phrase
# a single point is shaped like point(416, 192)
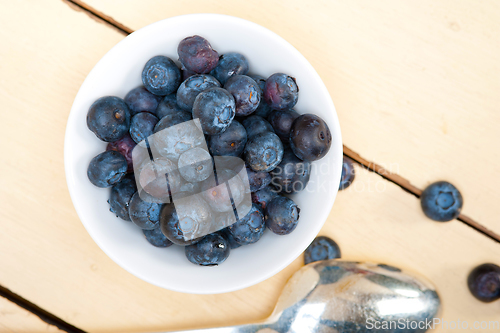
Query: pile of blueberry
point(241, 115)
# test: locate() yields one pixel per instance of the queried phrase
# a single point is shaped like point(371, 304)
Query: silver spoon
point(339, 296)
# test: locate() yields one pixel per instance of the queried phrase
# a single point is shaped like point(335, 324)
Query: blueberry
point(120, 196)
point(281, 91)
point(140, 99)
point(281, 121)
point(256, 125)
point(231, 142)
point(186, 74)
point(441, 201)
point(263, 109)
point(156, 238)
point(167, 106)
point(144, 214)
point(249, 229)
point(230, 64)
point(233, 244)
point(161, 76)
point(189, 89)
point(264, 152)
point(169, 224)
point(212, 250)
point(190, 188)
point(124, 146)
point(282, 215)
point(258, 179)
point(172, 120)
point(310, 137)
point(246, 93)
point(195, 165)
point(142, 126)
point(215, 107)
point(348, 173)
point(195, 216)
point(263, 196)
point(177, 139)
point(107, 169)
point(292, 174)
point(322, 248)
point(196, 55)
point(484, 282)
point(159, 178)
point(216, 194)
point(109, 118)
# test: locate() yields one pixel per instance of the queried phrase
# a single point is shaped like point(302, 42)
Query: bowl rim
point(72, 187)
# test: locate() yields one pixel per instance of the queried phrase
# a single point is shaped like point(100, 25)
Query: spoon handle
point(250, 328)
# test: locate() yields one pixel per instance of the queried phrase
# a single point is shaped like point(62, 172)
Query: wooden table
point(417, 90)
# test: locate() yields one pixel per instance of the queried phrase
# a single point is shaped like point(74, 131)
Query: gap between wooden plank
point(47, 317)
point(412, 189)
point(392, 177)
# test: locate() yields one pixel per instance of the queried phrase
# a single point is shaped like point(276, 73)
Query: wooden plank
point(15, 319)
point(47, 256)
point(415, 84)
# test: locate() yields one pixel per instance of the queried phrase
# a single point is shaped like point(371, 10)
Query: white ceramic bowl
point(120, 71)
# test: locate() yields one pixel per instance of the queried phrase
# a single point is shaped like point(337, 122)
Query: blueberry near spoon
point(343, 296)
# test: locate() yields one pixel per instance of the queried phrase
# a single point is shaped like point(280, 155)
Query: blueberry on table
point(282, 215)
point(161, 76)
point(258, 179)
point(441, 201)
point(348, 173)
point(310, 137)
point(172, 120)
point(281, 91)
point(292, 174)
point(142, 126)
point(120, 196)
point(264, 152)
point(231, 63)
point(246, 93)
point(107, 169)
point(156, 238)
point(189, 89)
point(197, 55)
point(215, 107)
point(256, 125)
point(170, 227)
point(231, 142)
point(195, 165)
point(212, 250)
point(124, 146)
point(144, 214)
point(263, 109)
point(250, 228)
point(263, 196)
point(140, 99)
point(109, 118)
point(484, 282)
point(281, 121)
point(322, 248)
point(168, 105)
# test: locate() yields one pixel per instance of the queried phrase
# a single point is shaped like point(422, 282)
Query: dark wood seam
point(412, 189)
point(47, 317)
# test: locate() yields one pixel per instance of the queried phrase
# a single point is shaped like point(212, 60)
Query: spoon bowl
point(335, 296)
